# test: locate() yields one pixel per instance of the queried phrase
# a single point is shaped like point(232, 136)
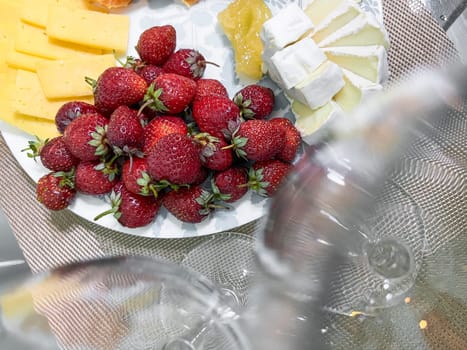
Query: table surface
point(49, 239)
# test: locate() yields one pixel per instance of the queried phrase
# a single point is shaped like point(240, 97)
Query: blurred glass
point(117, 303)
point(346, 256)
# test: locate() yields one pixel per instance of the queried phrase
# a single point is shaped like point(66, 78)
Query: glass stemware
point(117, 303)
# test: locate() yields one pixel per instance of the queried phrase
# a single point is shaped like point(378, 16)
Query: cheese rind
point(286, 27)
point(363, 30)
point(89, 28)
point(65, 78)
point(355, 91)
point(297, 61)
point(29, 99)
point(310, 121)
point(319, 87)
point(34, 41)
point(370, 62)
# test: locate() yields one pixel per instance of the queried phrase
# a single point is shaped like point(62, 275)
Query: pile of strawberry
point(158, 134)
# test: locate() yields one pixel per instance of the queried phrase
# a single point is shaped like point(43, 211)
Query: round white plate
point(196, 27)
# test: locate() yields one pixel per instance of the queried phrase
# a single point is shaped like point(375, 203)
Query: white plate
point(197, 28)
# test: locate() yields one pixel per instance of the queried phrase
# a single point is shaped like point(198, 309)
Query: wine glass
point(117, 303)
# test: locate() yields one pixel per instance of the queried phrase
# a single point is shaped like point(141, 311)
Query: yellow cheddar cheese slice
point(89, 28)
point(34, 41)
point(65, 78)
point(29, 98)
point(36, 11)
point(16, 59)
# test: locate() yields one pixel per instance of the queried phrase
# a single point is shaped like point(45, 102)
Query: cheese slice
point(16, 59)
point(29, 98)
point(34, 41)
point(370, 62)
point(310, 121)
point(361, 31)
point(36, 11)
point(319, 87)
point(355, 91)
point(297, 61)
point(65, 78)
point(89, 28)
point(318, 10)
point(286, 27)
point(335, 20)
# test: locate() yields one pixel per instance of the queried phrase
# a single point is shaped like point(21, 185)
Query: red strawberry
point(265, 177)
point(53, 153)
point(213, 155)
point(216, 115)
point(55, 190)
point(117, 86)
point(258, 140)
point(293, 139)
point(85, 137)
point(95, 177)
point(255, 101)
point(187, 62)
point(174, 158)
point(71, 110)
point(125, 132)
point(131, 210)
point(209, 87)
point(202, 176)
point(150, 72)
point(162, 126)
point(136, 178)
point(156, 44)
point(170, 93)
point(192, 204)
point(231, 184)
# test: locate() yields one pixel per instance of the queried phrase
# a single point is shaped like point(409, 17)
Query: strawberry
point(131, 210)
point(95, 177)
point(265, 177)
point(55, 190)
point(255, 101)
point(230, 184)
point(150, 72)
point(71, 110)
point(213, 155)
point(187, 62)
point(53, 153)
point(216, 115)
point(174, 158)
point(156, 44)
point(257, 140)
point(85, 136)
point(192, 204)
point(292, 142)
point(125, 133)
point(170, 93)
point(202, 176)
point(209, 87)
point(136, 178)
point(117, 86)
point(162, 126)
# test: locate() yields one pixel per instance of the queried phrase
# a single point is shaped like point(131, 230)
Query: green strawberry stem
point(92, 82)
point(115, 201)
point(35, 147)
point(151, 100)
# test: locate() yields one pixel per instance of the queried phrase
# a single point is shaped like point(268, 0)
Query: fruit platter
point(174, 119)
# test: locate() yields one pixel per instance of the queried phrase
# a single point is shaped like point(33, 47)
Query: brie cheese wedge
point(363, 30)
point(318, 10)
point(319, 87)
point(310, 121)
point(297, 61)
point(286, 27)
point(370, 62)
point(355, 91)
point(336, 20)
